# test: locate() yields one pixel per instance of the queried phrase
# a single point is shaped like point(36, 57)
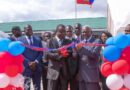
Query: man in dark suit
point(32, 59)
point(72, 63)
point(45, 37)
point(16, 33)
point(58, 74)
point(89, 56)
point(77, 35)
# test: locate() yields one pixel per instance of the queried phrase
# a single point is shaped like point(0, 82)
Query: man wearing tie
point(32, 59)
point(77, 34)
point(58, 73)
point(88, 63)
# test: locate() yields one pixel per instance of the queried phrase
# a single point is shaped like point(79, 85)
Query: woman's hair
point(108, 34)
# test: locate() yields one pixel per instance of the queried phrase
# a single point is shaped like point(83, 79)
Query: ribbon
point(72, 45)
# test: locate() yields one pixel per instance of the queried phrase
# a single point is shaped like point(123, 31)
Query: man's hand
point(79, 45)
point(32, 65)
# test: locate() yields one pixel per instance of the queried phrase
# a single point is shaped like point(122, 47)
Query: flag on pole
point(89, 2)
point(119, 11)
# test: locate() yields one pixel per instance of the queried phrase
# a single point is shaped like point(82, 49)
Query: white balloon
point(3, 35)
point(17, 81)
point(4, 80)
point(114, 82)
point(127, 81)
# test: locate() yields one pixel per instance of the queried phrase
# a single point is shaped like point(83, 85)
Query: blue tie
point(30, 40)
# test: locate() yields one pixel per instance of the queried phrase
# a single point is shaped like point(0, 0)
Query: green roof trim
point(44, 25)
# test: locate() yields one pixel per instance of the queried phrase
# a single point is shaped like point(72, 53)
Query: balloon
point(109, 41)
point(124, 88)
point(120, 67)
point(4, 80)
point(21, 68)
point(5, 60)
point(12, 70)
point(111, 53)
point(127, 81)
point(17, 81)
point(4, 35)
point(10, 87)
point(126, 54)
point(114, 82)
point(4, 43)
point(106, 69)
point(20, 88)
point(16, 48)
point(18, 59)
point(121, 40)
point(129, 39)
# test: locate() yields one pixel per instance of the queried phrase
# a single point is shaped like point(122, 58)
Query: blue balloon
point(111, 53)
point(109, 41)
point(16, 48)
point(121, 40)
point(128, 35)
point(4, 43)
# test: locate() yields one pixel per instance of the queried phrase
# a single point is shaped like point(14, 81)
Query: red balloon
point(2, 68)
point(21, 68)
point(106, 69)
point(18, 60)
point(104, 60)
point(124, 88)
point(10, 87)
point(5, 60)
point(126, 54)
point(120, 67)
point(12, 70)
point(19, 88)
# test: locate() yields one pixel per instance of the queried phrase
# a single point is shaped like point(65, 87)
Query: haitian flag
point(90, 2)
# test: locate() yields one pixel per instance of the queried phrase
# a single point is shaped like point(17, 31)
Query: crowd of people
point(79, 70)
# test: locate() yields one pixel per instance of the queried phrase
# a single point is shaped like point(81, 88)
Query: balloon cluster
point(116, 66)
point(11, 65)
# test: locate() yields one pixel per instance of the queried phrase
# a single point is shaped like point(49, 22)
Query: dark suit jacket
point(12, 38)
point(89, 56)
point(73, 62)
point(31, 55)
point(57, 65)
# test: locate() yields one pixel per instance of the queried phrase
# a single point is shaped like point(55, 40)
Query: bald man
point(88, 63)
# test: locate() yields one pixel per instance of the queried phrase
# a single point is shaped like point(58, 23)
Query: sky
point(33, 10)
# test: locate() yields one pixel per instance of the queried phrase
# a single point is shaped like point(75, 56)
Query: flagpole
point(108, 27)
point(75, 10)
